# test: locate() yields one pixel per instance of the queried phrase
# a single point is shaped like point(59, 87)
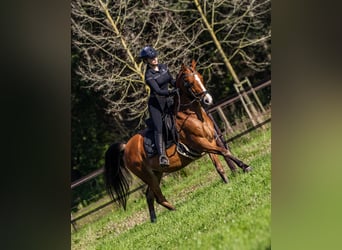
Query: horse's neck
point(195, 121)
point(194, 108)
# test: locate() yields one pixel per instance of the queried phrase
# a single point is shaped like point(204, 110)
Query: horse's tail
point(117, 176)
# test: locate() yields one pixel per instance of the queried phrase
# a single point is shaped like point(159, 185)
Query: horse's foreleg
point(215, 149)
point(229, 162)
point(230, 159)
point(238, 162)
point(220, 170)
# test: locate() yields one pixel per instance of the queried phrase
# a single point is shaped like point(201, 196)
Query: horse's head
point(190, 82)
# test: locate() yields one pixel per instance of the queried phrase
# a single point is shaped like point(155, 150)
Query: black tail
point(117, 175)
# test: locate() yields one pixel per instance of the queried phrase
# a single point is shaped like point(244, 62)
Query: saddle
point(170, 139)
point(170, 135)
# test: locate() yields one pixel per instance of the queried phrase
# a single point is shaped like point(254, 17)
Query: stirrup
point(164, 161)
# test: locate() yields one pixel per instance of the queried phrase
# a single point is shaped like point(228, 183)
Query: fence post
point(225, 120)
point(246, 101)
point(237, 88)
point(73, 223)
point(255, 95)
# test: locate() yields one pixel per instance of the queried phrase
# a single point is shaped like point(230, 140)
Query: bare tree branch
point(108, 36)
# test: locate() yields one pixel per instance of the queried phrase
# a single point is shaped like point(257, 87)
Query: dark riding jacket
point(158, 81)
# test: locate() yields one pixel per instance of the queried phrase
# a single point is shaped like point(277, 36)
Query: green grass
point(209, 214)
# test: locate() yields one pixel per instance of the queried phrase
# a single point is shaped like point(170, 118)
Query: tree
point(109, 36)
point(238, 27)
point(240, 32)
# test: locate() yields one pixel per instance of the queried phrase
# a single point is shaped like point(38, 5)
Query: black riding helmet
point(148, 52)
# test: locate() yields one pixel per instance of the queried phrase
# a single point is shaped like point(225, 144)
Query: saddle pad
point(149, 145)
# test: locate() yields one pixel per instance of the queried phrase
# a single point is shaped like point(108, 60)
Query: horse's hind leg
point(152, 179)
point(220, 170)
point(150, 197)
point(160, 198)
point(150, 203)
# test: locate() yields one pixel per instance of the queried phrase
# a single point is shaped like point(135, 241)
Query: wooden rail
point(236, 97)
point(86, 178)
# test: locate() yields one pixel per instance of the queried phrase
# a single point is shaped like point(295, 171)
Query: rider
point(158, 78)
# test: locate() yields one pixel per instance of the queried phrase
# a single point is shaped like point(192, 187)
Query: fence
point(255, 118)
point(226, 123)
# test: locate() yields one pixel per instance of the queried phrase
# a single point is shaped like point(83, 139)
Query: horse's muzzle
point(207, 99)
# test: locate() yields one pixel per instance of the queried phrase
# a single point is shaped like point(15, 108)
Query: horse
point(196, 132)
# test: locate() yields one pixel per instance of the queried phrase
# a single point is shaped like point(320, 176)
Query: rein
point(189, 103)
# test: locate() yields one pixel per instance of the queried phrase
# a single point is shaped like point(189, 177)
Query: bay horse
point(196, 132)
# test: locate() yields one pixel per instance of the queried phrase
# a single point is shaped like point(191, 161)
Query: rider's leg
point(158, 135)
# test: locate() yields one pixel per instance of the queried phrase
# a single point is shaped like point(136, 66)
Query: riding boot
point(163, 160)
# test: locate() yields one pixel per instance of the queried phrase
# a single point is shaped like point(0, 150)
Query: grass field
point(209, 214)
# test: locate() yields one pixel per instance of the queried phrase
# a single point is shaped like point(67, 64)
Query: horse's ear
point(193, 64)
point(183, 67)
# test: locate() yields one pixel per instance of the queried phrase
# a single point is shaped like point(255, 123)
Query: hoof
point(153, 220)
point(167, 205)
point(248, 169)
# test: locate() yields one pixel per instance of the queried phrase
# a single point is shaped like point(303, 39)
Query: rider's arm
point(155, 87)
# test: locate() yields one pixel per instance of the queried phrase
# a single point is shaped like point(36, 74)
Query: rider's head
point(147, 54)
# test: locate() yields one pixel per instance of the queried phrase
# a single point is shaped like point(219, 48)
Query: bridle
point(196, 96)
